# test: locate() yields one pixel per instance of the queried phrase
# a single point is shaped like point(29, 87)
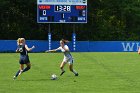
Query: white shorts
point(69, 60)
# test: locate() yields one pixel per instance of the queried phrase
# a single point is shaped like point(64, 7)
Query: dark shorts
point(24, 59)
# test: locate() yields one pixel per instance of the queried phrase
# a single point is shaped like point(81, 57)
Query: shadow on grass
point(34, 80)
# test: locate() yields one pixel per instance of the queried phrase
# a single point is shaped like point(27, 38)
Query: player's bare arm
point(54, 50)
point(17, 50)
point(29, 49)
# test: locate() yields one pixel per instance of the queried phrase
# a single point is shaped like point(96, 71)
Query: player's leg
point(19, 71)
point(28, 66)
point(27, 62)
point(71, 67)
point(21, 68)
point(62, 67)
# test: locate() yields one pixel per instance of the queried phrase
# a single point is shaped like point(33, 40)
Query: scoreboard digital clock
point(62, 11)
point(62, 8)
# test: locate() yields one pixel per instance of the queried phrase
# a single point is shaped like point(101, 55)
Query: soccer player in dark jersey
point(24, 58)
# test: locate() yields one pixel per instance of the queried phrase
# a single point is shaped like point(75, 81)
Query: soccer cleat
point(62, 73)
point(14, 77)
point(76, 74)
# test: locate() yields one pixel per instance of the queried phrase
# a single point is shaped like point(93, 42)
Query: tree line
point(108, 20)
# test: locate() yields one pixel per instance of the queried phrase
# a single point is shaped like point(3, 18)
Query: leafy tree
point(107, 20)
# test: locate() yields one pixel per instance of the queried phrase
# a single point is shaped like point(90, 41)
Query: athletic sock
point(26, 69)
point(17, 73)
point(74, 72)
point(62, 70)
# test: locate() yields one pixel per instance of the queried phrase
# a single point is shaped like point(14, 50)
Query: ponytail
point(65, 41)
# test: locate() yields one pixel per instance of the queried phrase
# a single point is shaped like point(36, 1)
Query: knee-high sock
point(26, 69)
point(17, 73)
point(74, 72)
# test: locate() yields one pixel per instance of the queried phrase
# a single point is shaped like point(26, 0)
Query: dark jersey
point(24, 59)
point(24, 51)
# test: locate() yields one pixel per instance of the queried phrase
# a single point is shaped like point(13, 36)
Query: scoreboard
point(62, 11)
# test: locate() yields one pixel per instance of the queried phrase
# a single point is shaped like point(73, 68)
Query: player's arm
point(29, 49)
point(54, 50)
point(17, 50)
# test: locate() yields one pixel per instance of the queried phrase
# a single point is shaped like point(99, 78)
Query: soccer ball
point(53, 77)
point(20, 50)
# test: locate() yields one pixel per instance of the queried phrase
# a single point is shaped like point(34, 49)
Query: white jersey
point(67, 54)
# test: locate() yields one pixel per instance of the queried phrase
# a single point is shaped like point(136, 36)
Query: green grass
point(98, 73)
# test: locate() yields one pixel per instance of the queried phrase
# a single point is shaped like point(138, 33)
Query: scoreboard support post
point(49, 37)
point(74, 39)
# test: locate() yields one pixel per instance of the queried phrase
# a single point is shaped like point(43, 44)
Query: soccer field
point(98, 73)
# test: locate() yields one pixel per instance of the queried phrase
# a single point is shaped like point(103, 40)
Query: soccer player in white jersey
point(67, 57)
